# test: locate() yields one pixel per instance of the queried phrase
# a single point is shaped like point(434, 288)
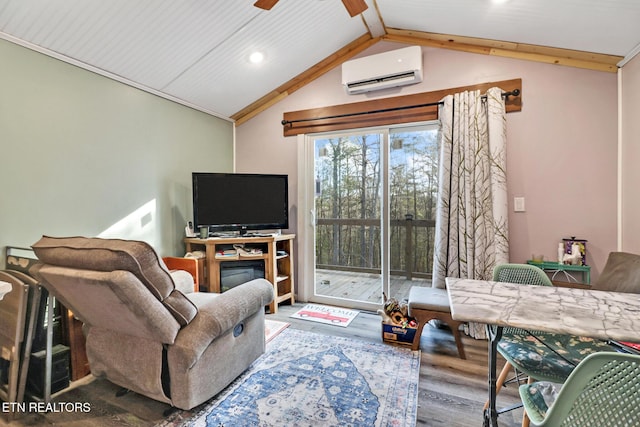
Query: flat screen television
point(240, 201)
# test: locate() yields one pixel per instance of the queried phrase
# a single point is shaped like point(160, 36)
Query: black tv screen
point(240, 201)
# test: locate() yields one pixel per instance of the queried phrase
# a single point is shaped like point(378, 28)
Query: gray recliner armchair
point(144, 334)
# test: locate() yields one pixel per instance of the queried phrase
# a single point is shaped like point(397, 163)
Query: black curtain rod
point(505, 95)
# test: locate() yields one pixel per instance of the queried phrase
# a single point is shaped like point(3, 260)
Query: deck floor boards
point(362, 286)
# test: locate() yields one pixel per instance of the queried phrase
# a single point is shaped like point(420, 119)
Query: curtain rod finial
point(506, 95)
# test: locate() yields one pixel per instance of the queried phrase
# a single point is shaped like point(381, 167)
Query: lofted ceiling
point(197, 51)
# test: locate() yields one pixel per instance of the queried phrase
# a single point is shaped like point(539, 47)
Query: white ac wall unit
point(389, 69)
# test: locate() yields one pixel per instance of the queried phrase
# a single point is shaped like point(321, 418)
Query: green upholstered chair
point(603, 390)
point(538, 355)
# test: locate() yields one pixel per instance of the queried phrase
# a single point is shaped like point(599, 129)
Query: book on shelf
point(227, 253)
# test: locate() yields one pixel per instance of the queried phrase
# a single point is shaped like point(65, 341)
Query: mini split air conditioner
point(389, 69)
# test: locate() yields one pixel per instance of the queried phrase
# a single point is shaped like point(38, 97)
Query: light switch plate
point(518, 204)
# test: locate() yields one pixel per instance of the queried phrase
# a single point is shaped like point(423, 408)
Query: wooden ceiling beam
point(548, 55)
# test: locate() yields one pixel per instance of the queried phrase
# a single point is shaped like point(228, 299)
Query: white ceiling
point(196, 51)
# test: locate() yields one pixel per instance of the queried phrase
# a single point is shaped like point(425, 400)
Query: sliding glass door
point(348, 216)
point(371, 204)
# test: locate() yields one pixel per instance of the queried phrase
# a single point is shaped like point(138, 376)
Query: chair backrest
point(603, 390)
point(13, 314)
point(621, 273)
point(31, 319)
point(13, 311)
point(524, 274)
point(120, 285)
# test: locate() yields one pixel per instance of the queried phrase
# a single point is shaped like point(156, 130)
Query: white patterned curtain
point(471, 217)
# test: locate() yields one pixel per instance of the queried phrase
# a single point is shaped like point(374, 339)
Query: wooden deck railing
point(410, 257)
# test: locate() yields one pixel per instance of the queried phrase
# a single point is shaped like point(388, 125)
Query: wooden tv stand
point(278, 269)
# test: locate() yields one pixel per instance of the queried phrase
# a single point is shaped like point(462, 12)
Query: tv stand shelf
point(277, 253)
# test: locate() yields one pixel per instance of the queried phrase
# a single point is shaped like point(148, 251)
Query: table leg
point(491, 413)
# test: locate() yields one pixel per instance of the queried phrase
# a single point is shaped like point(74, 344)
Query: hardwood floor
point(451, 391)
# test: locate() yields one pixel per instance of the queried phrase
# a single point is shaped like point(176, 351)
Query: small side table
point(555, 268)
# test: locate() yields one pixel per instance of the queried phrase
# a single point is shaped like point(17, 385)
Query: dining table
point(581, 312)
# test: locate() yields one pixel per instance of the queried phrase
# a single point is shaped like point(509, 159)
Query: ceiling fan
point(354, 7)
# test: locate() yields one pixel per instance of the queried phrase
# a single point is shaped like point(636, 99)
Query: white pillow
point(183, 280)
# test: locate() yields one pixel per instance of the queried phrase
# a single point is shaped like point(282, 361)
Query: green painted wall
point(81, 154)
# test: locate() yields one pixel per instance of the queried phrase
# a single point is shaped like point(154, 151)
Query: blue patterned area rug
point(307, 379)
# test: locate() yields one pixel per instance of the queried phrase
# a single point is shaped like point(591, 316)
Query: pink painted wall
point(562, 146)
point(630, 172)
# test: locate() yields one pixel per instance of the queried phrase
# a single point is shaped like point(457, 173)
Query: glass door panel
point(348, 206)
point(413, 184)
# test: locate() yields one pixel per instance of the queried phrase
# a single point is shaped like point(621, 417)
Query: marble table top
point(581, 312)
point(5, 288)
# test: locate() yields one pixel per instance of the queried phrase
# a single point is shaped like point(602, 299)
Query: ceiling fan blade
point(355, 7)
point(265, 4)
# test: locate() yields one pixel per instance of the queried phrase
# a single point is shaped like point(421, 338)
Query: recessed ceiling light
point(256, 57)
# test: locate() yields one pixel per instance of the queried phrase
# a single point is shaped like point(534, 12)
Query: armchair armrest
point(219, 313)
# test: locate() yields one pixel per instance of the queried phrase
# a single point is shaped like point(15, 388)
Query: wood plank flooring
point(451, 391)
